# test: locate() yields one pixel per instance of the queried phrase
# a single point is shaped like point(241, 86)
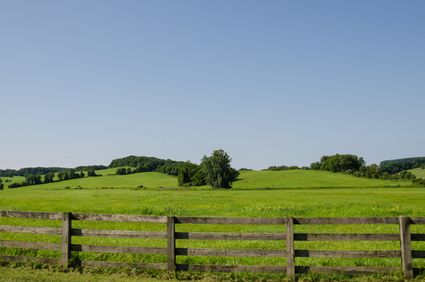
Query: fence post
point(290, 253)
point(405, 245)
point(171, 244)
point(66, 239)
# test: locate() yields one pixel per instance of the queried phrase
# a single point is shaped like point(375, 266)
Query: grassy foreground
point(257, 194)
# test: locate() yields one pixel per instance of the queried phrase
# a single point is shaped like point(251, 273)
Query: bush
point(217, 169)
point(419, 182)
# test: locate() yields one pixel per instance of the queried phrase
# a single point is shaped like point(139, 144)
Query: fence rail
point(67, 232)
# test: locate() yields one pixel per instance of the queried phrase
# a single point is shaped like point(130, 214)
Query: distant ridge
point(397, 165)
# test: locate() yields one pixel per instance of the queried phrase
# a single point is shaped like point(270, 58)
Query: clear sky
point(270, 82)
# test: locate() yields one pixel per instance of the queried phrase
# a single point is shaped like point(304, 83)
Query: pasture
point(258, 194)
point(418, 172)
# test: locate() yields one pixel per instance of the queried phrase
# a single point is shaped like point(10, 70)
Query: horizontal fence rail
point(288, 237)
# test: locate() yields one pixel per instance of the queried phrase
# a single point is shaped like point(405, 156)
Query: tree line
point(356, 166)
point(45, 170)
point(35, 179)
point(398, 165)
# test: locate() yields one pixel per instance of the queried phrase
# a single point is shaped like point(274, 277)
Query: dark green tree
point(61, 175)
point(33, 179)
point(186, 174)
point(48, 177)
point(217, 169)
point(121, 171)
point(1, 184)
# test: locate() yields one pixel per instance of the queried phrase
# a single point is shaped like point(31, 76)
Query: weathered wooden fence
point(67, 232)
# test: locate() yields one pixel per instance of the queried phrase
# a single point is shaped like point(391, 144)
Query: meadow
point(297, 193)
point(418, 172)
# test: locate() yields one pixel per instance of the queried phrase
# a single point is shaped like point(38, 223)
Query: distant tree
point(121, 171)
point(1, 184)
point(423, 166)
point(91, 172)
point(61, 175)
point(406, 175)
point(315, 166)
point(372, 171)
point(245, 169)
point(217, 169)
point(48, 177)
point(395, 166)
point(341, 163)
point(32, 179)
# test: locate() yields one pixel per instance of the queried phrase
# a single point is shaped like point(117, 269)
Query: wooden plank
point(171, 244)
point(229, 236)
point(290, 252)
point(29, 245)
point(225, 220)
point(229, 268)
point(27, 259)
point(417, 237)
point(120, 218)
point(33, 215)
point(353, 220)
point(114, 249)
point(66, 239)
point(113, 264)
point(118, 233)
point(405, 246)
point(347, 254)
point(417, 220)
point(30, 229)
point(418, 254)
point(346, 237)
point(347, 269)
point(230, 253)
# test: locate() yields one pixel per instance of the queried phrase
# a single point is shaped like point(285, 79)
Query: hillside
point(145, 179)
point(418, 172)
point(307, 179)
point(289, 179)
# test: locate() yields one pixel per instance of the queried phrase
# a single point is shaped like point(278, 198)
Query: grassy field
point(257, 194)
point(255, 180)
point(418, 172)
point(307, 179)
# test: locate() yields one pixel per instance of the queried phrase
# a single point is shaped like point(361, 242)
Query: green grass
point(307, 179)
point(258, 194)
point(26, 274)
point(418, 172)
point(9, 180)
point(147, 179)
point(291, 179)
point(108, 171)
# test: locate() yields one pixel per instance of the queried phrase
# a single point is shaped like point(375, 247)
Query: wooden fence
point(67, 232)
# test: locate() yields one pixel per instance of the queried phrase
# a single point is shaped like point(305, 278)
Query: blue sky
point(270, 82)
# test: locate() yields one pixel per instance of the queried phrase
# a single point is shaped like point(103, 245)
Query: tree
point(1, 184)
point(32, 179)
point(61, 175)
point(217, 169)
point(91, 172)
point(186, 174)
point(48, 177)
point(121, 171)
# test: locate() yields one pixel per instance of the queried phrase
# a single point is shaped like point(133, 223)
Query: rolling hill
point(418, 172)
point(288, 179)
